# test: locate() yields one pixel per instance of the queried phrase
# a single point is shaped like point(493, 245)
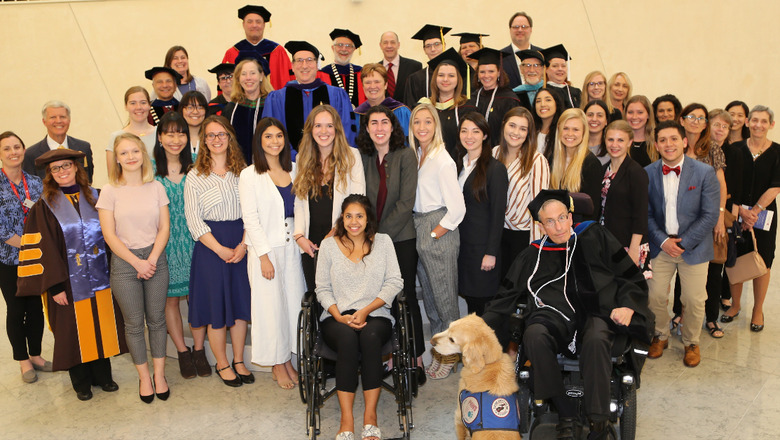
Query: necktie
point(390, 80)
point(667, 169)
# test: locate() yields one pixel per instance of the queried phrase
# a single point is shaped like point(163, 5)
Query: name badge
point(28, 203)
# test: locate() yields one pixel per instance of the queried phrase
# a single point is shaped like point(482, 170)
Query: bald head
point(389, 44)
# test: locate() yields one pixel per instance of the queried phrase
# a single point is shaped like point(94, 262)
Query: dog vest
point(485, 411)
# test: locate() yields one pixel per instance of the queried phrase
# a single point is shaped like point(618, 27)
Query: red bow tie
point(667, 169)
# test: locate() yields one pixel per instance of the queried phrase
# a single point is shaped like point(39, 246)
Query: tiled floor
point(731, 395)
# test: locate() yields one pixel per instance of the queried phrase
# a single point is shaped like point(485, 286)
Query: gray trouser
point(139, 299)
point(437, 270)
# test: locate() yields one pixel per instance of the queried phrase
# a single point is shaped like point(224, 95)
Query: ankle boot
point(186, 364)
point(201, 363)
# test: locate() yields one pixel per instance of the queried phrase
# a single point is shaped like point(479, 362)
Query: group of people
point(358, 181)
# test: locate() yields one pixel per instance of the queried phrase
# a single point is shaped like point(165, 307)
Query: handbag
point(721, 249)
point(747, 267)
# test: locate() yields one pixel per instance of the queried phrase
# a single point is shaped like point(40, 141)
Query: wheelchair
point(316, 363)
point(627, 360)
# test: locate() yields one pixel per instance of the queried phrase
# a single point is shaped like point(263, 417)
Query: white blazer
point(356, 184)
point(262, 209)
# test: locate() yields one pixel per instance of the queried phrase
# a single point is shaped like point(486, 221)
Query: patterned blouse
point(12, 213)
point(210, 198)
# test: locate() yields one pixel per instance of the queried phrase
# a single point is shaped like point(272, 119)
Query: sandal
point(715, 330)
point(371, 431)
point(449, 363)
point(435, 363)
point(345, 435)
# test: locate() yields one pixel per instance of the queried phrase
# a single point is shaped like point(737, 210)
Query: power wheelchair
point(539, 416)
point(316, 364)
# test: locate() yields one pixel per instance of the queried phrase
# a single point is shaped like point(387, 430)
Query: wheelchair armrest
point(309, 299)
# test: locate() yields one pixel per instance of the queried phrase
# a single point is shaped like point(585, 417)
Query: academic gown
point(216, 105)
point(276, 55)
point(357, 96)
point(500, 103)
point(602, 277)
point(401, 112)
point(417, 87)
point(159, 108)
point(571, 96)
point(244, 121)
point(86, 329)
point(293, 103)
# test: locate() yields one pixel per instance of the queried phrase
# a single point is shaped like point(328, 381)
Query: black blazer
point(510, 65)
point(406, 67)
point(401, 170)
point(625, 210)
point(590, 183)
point(41, 147)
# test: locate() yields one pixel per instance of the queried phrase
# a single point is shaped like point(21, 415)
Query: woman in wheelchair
point(582, 289)
point(357, 278)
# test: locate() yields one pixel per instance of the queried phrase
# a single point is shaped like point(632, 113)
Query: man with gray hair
point(56, 119)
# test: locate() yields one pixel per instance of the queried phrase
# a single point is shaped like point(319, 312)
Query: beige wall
point(89, 53)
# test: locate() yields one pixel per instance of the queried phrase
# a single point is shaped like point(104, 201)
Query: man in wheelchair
point(578, 289)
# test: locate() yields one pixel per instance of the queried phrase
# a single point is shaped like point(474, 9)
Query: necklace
point(760, 149)
point(351, 89)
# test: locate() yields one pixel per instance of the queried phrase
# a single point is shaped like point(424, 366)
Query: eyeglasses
point(692, 119)
point(723, 126)
point(56, 168)
point(225, 77)
point(194, 108)
point(596, 83)
point(520, 26)
point(430, 46)
point(306, 60)
point(344, 45)
point(529, 65)
point(550, 222)
point(221, 135)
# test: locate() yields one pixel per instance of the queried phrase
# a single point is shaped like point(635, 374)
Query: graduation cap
point(467, 37)
point(451, 57)
point(346, 33)
point(431, 31)
point(253, 9)
point(579, 203)
point(557, 51)
point(253, 55)
point(149, 74)
point(58, 154)
point(222, 68)
point(487, 55)
point(296, 46)
point(528, 54)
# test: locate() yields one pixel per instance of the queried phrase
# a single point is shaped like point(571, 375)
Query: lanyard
point(25, 209)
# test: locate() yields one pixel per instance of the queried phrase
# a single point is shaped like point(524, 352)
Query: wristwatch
point(434, 235)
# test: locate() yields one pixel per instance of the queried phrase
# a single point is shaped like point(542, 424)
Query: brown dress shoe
point(657, 348)
point(692, 356)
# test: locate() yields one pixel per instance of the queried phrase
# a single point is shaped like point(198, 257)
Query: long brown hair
point(169, 61)
point(528, 148)
point(459, 98)
point(51, 187)
point(235, 158)
point(652, 152)
point(479, 184)
point(310, 175)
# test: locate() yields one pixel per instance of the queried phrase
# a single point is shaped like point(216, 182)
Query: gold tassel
point(269, 23)
point(468, 81)
point(441, 34)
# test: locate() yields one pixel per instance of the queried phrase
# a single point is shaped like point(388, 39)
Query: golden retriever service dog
point(486, 393)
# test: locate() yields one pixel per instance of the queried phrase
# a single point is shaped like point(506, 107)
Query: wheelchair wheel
point(304, 353)
point(628, 417)
point(524, 407)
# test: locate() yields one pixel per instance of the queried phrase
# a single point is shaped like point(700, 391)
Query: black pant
point(476, 304)
point(355, 349)
point(542, 348)
point(309, 271)
point(406, 253)
point(24, 317)
point(84, 376)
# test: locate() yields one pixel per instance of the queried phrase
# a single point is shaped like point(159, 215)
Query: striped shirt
point(523, 189)
point(210, 198)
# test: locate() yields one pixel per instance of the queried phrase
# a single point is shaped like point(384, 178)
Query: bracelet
point(760, 207)
point(722, 209)
point(298, 238)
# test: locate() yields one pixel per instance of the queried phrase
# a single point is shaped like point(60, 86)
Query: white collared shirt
point(671, 183)
point(53, 145)
point(437, 187)
point(465, 172)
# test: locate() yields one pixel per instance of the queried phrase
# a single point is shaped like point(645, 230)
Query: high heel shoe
point(757, 327)
point(449, 363)
point(145, 399)
point(245, 378)
point(236, 382)
point(435, 363)
point(165, 394)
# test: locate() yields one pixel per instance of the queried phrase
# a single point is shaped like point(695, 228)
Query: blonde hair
point(611, 81)
point(116, 174)
point(652, 153)
point(235, 158)
point(310, 175)
point(237, 95)
point(563, 176)
point(437, 143)
point(585, 98)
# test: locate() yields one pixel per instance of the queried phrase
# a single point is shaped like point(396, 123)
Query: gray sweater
point(352, 285)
